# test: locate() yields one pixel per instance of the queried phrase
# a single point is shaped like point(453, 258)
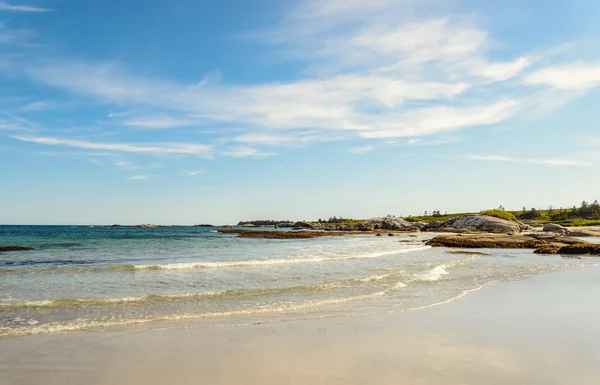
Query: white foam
point(270, 262)
point(432, 275)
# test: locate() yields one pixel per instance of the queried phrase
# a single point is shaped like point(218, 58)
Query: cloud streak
point(201, 150)
point(546, 162)
point(4, 6)
point(245, 152)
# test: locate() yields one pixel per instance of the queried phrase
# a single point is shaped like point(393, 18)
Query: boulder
point(553, 228)
point(389, 223)
point(481, 224)
point(302, 225)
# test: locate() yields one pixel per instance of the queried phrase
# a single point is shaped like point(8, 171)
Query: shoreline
point(492, 334)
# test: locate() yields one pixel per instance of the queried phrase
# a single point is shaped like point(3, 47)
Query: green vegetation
point(340, 221)
point(429, 218)
point(588, 214)
point(500, 214)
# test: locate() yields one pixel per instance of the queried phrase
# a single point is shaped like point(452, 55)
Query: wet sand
point(543, 330)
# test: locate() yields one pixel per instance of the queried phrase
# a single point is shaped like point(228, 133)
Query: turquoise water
point(82, 278)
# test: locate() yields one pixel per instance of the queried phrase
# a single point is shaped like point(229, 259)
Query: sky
point(189, 111)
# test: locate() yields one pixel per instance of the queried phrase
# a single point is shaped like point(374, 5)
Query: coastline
point(541, 330)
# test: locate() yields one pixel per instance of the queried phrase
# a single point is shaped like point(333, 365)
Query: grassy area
point(429, 218)
point(500, 214)
point(545, 217)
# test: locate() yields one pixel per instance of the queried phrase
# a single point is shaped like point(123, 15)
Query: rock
point(582, 233)
point(302, 225)
point(274, 234)
point(389, 223)
point(203, 225)
point(434, 225)
point(378, 234)
point(481, 223)
point(575, 249)
point(503, 241)
point(391, 235)
point(553, 228)
point(15, 248)
point(116, 226)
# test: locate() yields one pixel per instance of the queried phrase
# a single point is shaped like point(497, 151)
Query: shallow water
point(81, 278)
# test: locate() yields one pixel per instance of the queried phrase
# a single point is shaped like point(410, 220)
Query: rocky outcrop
point(389, 223)
point(145, 226)
point(486, 241)
point(572, 232)
point(274, 234)
point(4, 249)
point(203, 225)
point(575, 249)
point(544, 243)
point(302, 225)
point(481, 224)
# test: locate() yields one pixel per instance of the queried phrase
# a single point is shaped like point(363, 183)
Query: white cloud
point(21, 8)
point(157, 122)
point(138, 177)
point(576, 76)
point(433, 120)
point(201, 150)
point(361, 150)
point(547, 162)
point(190, 173)
point(501, 71)
point(374, 70)
point(243, 152)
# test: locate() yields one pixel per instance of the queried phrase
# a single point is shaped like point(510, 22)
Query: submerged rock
point(15, 248)
point(274, 234)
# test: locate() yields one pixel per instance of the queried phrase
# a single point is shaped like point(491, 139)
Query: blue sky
point(188, 112)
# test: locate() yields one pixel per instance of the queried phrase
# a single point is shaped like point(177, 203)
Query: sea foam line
point(268, 262)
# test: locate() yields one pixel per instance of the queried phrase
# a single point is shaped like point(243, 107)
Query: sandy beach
point(542, 330)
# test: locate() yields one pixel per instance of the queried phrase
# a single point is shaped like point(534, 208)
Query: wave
point(225, 294)
point(432, 275)
point(269, 262)
point(88, 265)
point(87, 324)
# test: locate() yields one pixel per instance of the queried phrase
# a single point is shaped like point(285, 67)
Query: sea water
point(100, 278)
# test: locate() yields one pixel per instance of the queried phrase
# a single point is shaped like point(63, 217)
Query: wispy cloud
point(576, 76)
point(190, 173)
point(138, 177)
point(158, 122)
point(200, 150)
point(244, 152)
point(361, 150)
point(4, 6)
point(375, 70)
point(547, 162)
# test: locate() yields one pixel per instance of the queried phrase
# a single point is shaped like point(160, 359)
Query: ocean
point(104, 278)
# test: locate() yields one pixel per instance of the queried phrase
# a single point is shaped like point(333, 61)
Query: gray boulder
point(554, 228)
point(481, 223)
point(388, 223)
point(302, 225)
